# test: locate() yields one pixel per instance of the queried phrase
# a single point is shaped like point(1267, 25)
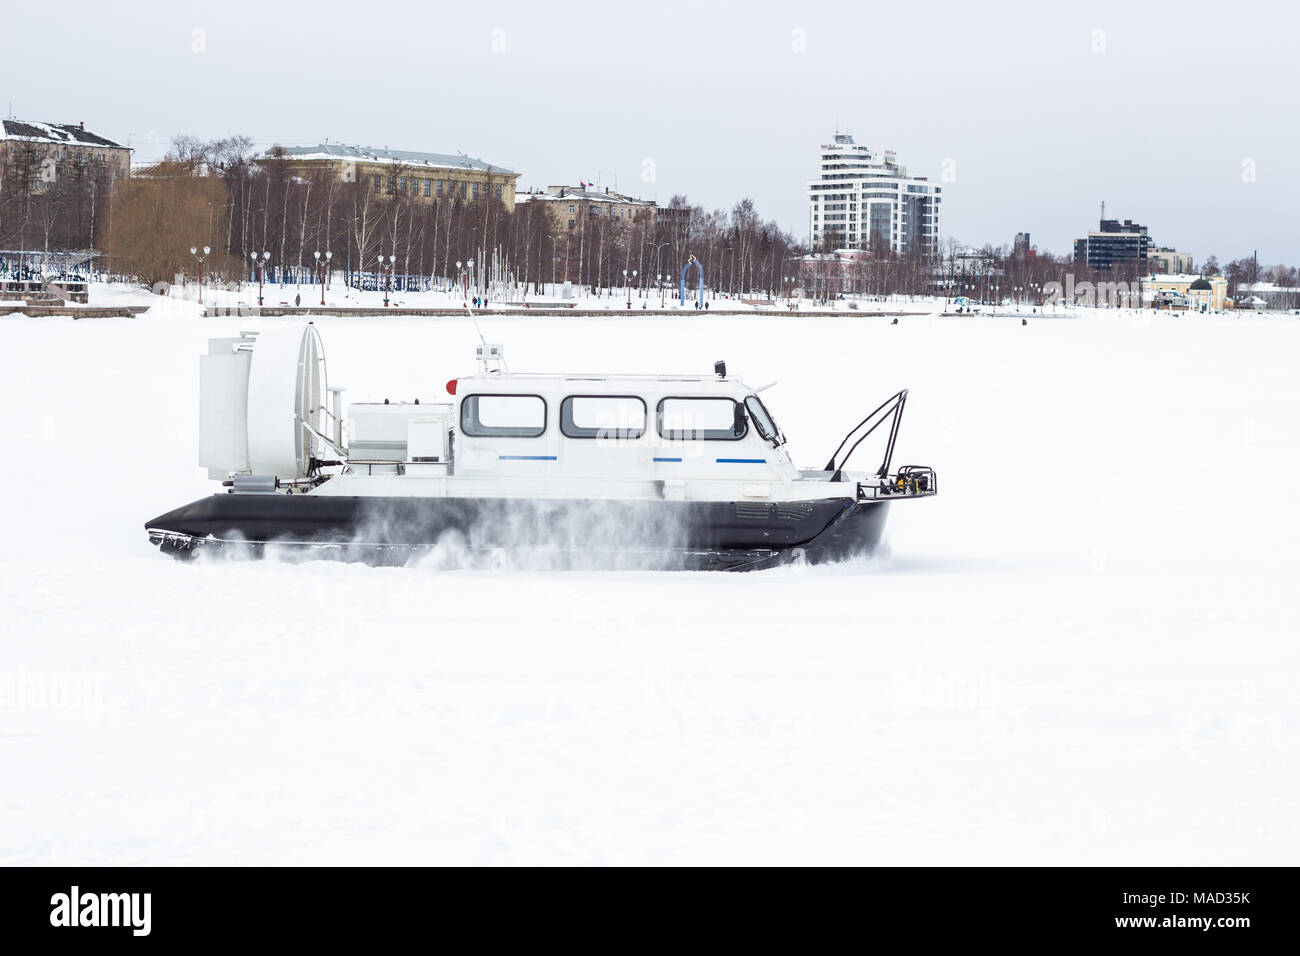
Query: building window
point(427, 184)
point(390, 185)
point(498, 190)
point(570, 210)
point(474, 194)
point(570, 223)
point(439, 188)
point(376, 182)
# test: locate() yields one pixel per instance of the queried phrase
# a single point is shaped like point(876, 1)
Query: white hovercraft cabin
point(573, 436)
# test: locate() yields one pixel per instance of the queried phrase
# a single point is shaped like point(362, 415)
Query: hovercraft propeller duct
point(261, 411)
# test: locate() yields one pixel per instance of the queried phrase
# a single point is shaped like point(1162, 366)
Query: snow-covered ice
point(1082, 651)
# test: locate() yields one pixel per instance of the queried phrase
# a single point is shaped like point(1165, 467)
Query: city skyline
point(1031, 130)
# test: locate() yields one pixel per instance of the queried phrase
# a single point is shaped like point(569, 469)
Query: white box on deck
point(223, 408)
point(380, 432)
point(427, 438)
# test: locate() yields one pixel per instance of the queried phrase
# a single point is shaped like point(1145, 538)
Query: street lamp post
point(629, 279)
point(465, 268)
point(260, 266)
point(387, 269)
point(659, 247)
point(322, 265)
point(195, 253)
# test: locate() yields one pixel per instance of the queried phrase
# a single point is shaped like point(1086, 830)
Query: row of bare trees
point(242, 207)
point(49, 206)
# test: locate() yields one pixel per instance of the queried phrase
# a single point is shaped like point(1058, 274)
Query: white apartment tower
point(864, 198)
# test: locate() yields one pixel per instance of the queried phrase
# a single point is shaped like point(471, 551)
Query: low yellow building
point(427, 177)
point(570, 206)
point(1185, 291)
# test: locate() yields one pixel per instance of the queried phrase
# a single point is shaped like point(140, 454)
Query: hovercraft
point(577, 470)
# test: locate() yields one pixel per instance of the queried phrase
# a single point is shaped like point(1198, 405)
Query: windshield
point(763, 420)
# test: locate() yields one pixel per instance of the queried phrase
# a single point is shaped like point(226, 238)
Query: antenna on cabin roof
point(476, 325)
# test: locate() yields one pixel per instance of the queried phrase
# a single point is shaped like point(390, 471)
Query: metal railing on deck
point(890, 410)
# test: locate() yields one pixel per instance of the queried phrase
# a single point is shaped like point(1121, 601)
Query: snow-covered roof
point(397, 157)
point(71, 134)
point(572, 193)
point(1265, 287)
point(837, 255)
point(1177, 277)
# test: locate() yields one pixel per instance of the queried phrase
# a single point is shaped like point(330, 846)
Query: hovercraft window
point(709, 419)
point(762, 419)
point(502, 416)
point(620, 417)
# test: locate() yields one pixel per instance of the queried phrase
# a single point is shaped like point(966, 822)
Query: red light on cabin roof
point(451, 386)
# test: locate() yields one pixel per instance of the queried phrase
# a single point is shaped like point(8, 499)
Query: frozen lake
point(1082, 651)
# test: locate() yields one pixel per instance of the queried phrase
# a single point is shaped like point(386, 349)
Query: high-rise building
point(1114, 242)
point(864, 199)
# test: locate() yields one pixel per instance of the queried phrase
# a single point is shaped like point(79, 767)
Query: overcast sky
point(1183, 118)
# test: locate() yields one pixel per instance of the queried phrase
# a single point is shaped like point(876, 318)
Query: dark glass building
point(1113, 242)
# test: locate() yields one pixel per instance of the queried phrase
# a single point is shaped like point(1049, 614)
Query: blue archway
point(698, 268)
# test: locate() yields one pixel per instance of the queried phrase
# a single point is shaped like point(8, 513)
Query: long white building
point(864, 198)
